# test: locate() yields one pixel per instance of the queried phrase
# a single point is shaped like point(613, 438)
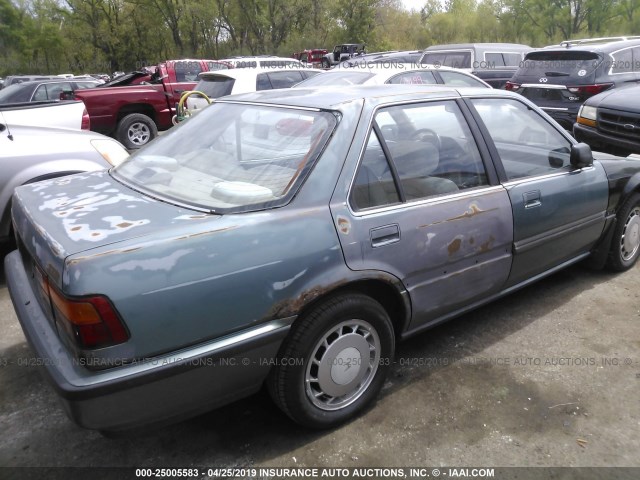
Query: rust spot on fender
point(124, 224)
point(454, 246)
point(344, 225)
point(292, 306)
point(75, 229)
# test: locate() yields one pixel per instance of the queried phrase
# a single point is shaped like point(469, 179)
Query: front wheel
point(625, 245)
point(136, 130)
point(334, 362)
point(325, 63)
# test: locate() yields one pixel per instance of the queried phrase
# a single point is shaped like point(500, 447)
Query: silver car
point(30, 154)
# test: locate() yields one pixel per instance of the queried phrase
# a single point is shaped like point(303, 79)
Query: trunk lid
point(65, 216)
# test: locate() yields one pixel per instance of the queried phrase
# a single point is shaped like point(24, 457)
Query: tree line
point(92, 36)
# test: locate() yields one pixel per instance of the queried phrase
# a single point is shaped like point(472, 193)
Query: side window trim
point(350, 197)
point(480, 137)
point(390, 161)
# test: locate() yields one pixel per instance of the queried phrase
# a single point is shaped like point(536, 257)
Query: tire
point(334, 361)
point(136, 130)
point(325, 63)
point(625, 245)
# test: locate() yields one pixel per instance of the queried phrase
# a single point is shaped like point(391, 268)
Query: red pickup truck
point(134, 113)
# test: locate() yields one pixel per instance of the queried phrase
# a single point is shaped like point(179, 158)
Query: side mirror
point(581, 155)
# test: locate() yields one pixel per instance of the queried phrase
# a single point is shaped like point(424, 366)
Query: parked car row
point(288, 239)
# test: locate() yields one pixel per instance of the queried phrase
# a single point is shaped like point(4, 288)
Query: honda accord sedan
point(288, 239)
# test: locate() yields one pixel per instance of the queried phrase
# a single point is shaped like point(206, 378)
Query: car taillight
point(90, 321)
point(589, 90)
point(86, 121)
point(511, 86)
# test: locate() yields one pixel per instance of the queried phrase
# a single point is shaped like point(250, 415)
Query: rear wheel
point(136, 130)
point(334, 362)
point(325, 63)
point(625, 245)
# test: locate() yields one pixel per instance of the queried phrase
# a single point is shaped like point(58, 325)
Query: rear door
point(423, 206)
point(558, 210)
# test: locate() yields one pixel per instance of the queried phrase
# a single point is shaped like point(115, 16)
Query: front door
point(558, 210)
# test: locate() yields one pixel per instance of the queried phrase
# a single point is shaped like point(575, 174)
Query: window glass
point(40, 94)
point(528, 145)
point(55, 89)
point(215, 86)
point(83, 85)
point(338, 77)
point(622, 61)
point(262, 82)
point(502, 59)
point(432, 149)
point(494, 59)
point(414, 78)
point(187, 71)
point(512, 59)
point(448, 59)
point(285, 79)
point(460, 79)
point(232, 157)
point(374, 185)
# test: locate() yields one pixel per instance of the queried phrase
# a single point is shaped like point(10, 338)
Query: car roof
point(382, 72)
point(470, 46)
point(605, 45)
point(378, 68)
point(332, 97)
point(249, 72)
point(60, 80)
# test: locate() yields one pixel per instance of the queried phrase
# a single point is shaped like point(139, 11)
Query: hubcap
point(139, 133)
point(630, 241)
point(342, 365)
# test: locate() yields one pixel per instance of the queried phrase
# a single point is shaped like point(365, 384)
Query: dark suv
point(561, 77)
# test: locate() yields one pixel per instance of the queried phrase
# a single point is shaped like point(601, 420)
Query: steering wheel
point(426, 135)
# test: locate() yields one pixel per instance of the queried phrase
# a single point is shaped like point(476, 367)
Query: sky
point(413, 4)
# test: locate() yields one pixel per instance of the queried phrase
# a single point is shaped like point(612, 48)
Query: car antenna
point(6, 125)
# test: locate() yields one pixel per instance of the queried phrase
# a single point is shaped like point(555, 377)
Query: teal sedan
point(288, 239)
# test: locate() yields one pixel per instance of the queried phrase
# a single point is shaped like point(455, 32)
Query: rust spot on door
point(454, 246)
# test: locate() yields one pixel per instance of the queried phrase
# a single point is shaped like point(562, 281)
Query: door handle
point(386, 235)
point(532, 199)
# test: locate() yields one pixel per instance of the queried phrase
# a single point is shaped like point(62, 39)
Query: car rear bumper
point(596, 139)
point(162, 388)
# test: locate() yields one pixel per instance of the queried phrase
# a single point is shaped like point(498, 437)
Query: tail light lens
point(86, 121)
point(590, 90)
point(90, 321)
point(512, 86)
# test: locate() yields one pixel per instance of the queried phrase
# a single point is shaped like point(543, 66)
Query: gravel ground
point(549, 376)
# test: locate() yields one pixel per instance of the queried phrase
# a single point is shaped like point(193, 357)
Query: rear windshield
point(232, 157)
point(15, 93)
point(448, 59)
point(215, 86)
point(337, 78)
point(571, 63)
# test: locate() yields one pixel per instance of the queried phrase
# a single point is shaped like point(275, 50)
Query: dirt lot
point(547, 377)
